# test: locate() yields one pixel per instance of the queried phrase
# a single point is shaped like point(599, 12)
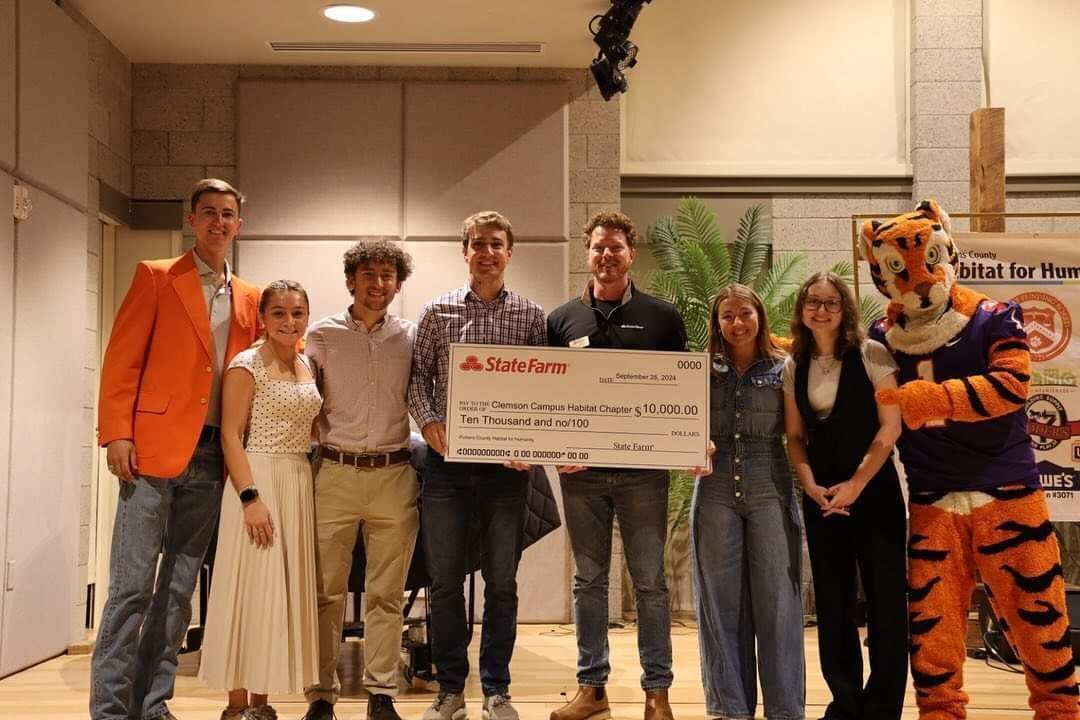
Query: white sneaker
point(447, 706)
point(498, 707)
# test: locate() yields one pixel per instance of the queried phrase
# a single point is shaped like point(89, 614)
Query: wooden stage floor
point(543, 667)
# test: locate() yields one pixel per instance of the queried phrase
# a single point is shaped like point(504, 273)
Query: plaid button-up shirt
point(460, 316)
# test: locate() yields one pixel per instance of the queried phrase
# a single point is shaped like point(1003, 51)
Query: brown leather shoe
point(656, 706)
point(590, 703)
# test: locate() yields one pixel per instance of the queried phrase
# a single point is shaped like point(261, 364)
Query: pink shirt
point(364, 377)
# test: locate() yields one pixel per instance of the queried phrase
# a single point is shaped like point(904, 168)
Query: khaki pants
point(382, 503)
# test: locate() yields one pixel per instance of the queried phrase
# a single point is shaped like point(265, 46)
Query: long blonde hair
point(766, 347)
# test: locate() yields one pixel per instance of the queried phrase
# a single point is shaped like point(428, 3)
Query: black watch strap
point(248, 494)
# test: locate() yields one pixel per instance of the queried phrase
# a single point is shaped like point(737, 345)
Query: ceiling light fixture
point(348, 13)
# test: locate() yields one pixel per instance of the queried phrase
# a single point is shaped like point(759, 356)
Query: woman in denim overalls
point(745, 526)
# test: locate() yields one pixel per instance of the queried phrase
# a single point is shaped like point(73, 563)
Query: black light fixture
point(611, 32)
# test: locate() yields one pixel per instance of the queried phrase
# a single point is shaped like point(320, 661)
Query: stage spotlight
point(611, 32)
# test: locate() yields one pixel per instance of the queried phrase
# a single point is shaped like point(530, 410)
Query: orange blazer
point(158, 367)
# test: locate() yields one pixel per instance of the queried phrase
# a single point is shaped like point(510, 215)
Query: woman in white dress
point(262, 622)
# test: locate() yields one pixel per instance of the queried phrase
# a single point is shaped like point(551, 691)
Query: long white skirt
point(262, 625)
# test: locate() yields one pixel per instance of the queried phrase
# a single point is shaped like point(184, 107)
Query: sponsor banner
point(1041, 271)
point(564, 406)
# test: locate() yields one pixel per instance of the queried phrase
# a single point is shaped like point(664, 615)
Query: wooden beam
point(987, 160)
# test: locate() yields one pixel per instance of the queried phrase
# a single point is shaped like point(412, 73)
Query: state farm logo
point(472, 363)
point(527, 365)
point(1047, 323)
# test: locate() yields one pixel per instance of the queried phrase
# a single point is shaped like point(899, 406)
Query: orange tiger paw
point(920, 402)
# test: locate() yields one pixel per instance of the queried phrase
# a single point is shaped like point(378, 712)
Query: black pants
point(872, 541)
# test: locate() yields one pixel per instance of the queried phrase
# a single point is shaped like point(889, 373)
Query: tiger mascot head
point(913, 262)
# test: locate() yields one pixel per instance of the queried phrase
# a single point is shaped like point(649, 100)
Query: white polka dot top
point(281, 410)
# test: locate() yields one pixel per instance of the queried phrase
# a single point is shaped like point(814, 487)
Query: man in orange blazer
point(180, 324)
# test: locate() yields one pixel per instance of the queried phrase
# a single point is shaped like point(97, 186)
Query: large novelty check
point(564, 406)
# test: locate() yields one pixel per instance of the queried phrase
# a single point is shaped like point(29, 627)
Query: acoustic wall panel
point(537, 270)
point(314, 263)
point(53, 101)
point(320, 158)
point(7, 84)
point(48, 432)
point(475, 146)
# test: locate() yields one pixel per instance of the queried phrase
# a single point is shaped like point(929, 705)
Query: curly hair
point(851, 330)
point(378, 251)
point(614, 220)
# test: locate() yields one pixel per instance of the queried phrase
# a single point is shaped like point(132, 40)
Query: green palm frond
point(751, 249)
point(781, 272)
point(680, 497)
point(696, 223)
point(780, 311)
point(663, 238)
point(668, 285)
point(870, 310)
point(697, 333)
point(700, 279)
point(719, 261)
point(695, 220)
point(845, 270)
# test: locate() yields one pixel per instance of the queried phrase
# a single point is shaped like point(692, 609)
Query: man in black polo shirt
point(613, 313)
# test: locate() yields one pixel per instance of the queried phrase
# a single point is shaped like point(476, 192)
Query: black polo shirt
point(639, 322)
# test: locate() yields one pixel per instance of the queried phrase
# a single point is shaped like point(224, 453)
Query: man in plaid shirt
point(484, 312)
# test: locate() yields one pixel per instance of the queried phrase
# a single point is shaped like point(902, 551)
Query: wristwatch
point(248, 494)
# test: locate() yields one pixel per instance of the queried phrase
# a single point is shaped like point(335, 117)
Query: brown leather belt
point(365, 460)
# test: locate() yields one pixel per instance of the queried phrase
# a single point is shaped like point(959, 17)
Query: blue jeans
point(638, 498)
point(484, 504)
point(747, 559)
point(142, 626)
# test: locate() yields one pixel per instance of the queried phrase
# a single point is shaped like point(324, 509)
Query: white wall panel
point(537, 270)
point(768, 88)
point(314, 263)
point(47, 432)
point(7, 84)
point(476, 146)
point(53, 101)
point(320, 158)
point(1033, 58)
point(7, 318)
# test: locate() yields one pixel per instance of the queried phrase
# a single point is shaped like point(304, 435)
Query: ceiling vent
point(400, 47)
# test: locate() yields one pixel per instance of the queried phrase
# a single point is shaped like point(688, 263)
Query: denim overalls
point(747, 551)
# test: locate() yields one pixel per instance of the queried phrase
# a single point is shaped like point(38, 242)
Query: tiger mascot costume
point(975, 501)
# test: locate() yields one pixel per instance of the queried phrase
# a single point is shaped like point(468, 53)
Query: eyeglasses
point(831, 305)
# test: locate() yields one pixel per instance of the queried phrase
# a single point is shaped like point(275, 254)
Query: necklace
point(826, 367)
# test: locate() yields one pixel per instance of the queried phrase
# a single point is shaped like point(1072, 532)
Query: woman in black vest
point(840, 443)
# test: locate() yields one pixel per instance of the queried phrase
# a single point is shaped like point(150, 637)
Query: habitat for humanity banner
point(1041, 271)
